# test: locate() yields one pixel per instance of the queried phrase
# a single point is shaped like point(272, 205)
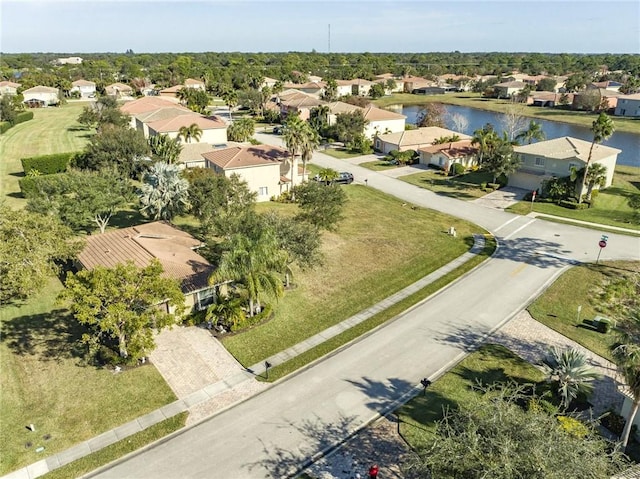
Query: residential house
point(461, 82)
point(142, 120)
point(40, 96)
point(315, 89)
point(628, 105)
point(9, 88)
point(195, 84)
point(432, 90)
point(593, 99)
point(175, 249)
point(214, 130)
point(446, 154)
point(549, 99)
point(544, 160)
point(315, 78)
point(384, 79)
point(531, 80)
point(266, 169)
point(171, 92)
point(508, 89)
point(118, 90)
point(268, 82)
point(69, 61)
point(379, 120)
point(293, 101)
point(410, 83)
point(607, 85)
point(414, 139)
point(361, 87)
point(191, 154)
point(145, 105)
point(86, 88)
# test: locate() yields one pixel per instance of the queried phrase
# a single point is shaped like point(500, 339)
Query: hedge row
point(48, 164)
point(4, 126)
point(23, 116)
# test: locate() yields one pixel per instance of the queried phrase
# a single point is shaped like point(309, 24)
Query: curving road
point(275, 432)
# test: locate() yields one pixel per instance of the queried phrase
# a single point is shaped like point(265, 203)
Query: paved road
point(273, 433)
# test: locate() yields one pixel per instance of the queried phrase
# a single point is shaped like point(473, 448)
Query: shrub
point(48, 164)
point(28, 185)
point(603, 326)
point(573, 426)
point(23, 116)
point(614, 422)
point(483, 185)
point(542, 405)
point(573, 204)
point(263, 315)
point(4, 126)
point(493, 186)
point(457, 169)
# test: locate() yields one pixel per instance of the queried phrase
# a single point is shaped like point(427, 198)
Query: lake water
point(629, 143)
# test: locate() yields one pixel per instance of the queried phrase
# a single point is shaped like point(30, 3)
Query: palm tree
point(485, 138)
point(596, 176)
point(568, 368)
point(164, 192)
point(255, 263)
point(627, 356)
point(294, 135)
point(165, 148)
point(192, 131)
point(310, 142)
point(602, 128)
point(328, 175)
point(534, 132)
point(183, 95)
point(227, 310)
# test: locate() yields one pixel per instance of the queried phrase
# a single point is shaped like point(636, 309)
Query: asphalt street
point(274, 433)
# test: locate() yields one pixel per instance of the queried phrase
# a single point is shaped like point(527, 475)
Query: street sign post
point(603, 244)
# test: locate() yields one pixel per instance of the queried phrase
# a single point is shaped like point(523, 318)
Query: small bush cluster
point(573, 204)
point(4, 126)
point(614, 422)
point(493, 186)
point(573, 427)
point(249, 321)
point(48, 164)
point(457, 169)
point(284, 197)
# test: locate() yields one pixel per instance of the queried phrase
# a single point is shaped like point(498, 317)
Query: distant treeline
point(245, 69)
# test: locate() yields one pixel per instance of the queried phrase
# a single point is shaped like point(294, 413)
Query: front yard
point(462, 187)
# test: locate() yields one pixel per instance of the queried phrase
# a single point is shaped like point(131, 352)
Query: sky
point(85, 26)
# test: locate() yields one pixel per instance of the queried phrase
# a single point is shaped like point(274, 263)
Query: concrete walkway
point(380, 443)
point(502, 198)
point(227, 391)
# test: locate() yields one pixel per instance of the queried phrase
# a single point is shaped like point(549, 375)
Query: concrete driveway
point(502, 198)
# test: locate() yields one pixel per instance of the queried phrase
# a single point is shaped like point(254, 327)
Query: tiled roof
point(187, 119)
point(41, 89)
point(420, 136)
point(456, 149)
point(246, 156)
point(567, 148)
point(172, 247)
point(164, 113)
point(172, 89)
point(634, 96)
point(373, 113)
point(9, 83)
point(82, 82)
point(192, 81)
point(146, 104)
point(119, 87)
point(511, 84)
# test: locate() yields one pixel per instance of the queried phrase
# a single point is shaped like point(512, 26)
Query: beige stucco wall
point(214, 136)
point(630, 107)
point(439, 159)
point(44, 96)
point(257, 177)
point(394, 126)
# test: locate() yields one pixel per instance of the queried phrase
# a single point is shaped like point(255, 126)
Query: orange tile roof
point(187, 119)
point(164, 113)
point(456, 149)
point(82, 82)
point(41, 89)
point(373, 113)
point(141, 244)
point(172, 89)
point(9, 83)
point(192, 81)
point(145, 104)
point(246, 156)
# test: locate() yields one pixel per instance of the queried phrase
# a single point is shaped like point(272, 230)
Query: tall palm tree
point(602, 129)
point(485, 138)
point(255, 263)
point(190, 132)
point(294, 135)
point(164, 192)
point(568, 368)
point(596, 176)
point(627, 357)
point(309, 144)
point(534, 132)
point(165, 148)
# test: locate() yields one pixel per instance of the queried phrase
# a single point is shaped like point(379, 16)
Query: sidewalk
point(234, 388)
point(533, 214)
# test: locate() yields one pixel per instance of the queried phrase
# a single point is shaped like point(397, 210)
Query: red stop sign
point(602, 243)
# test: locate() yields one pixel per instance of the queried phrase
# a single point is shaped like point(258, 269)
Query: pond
point(629, 143)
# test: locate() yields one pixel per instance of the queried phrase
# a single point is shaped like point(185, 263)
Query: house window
point(263, 191)
point(204, 298)
point(539, 162)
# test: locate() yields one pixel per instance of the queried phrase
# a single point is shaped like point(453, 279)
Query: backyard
point(52, 130)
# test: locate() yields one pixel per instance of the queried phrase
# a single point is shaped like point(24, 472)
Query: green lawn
point(557, 307)
point(341, 153)
point(378, 250)
point(378, 165)
point(475, 100)
point(463, 187)
point(610, 208)
point(52, 130)
point(490, 364)
point(44, 381)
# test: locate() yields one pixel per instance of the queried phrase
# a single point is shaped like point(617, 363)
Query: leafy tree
point(241, 129)
point(431, 114)
point(490, 435)
point(330, 90)
point(570, 371)
point(322, 205)
point(221, 204)
point(191, 132)
point(349, 126)
point(546, 84)
point(255, 262)
point(576, 82)
point(122, 148)
point(485, 138)
point(31, 244)
point(377, 91)
point(164, 148)
point(7, 110)
point(634, 203)
point(164, 193)
point(120, 305)
point(298, 239)
point(502, 160)
point(602, 128)
point(328, 175)
point(81, 199)
point(104, 112)
point(390, 84)
point(319, 119)
point(534, 132)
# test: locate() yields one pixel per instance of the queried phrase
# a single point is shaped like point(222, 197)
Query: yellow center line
point(518, 269)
